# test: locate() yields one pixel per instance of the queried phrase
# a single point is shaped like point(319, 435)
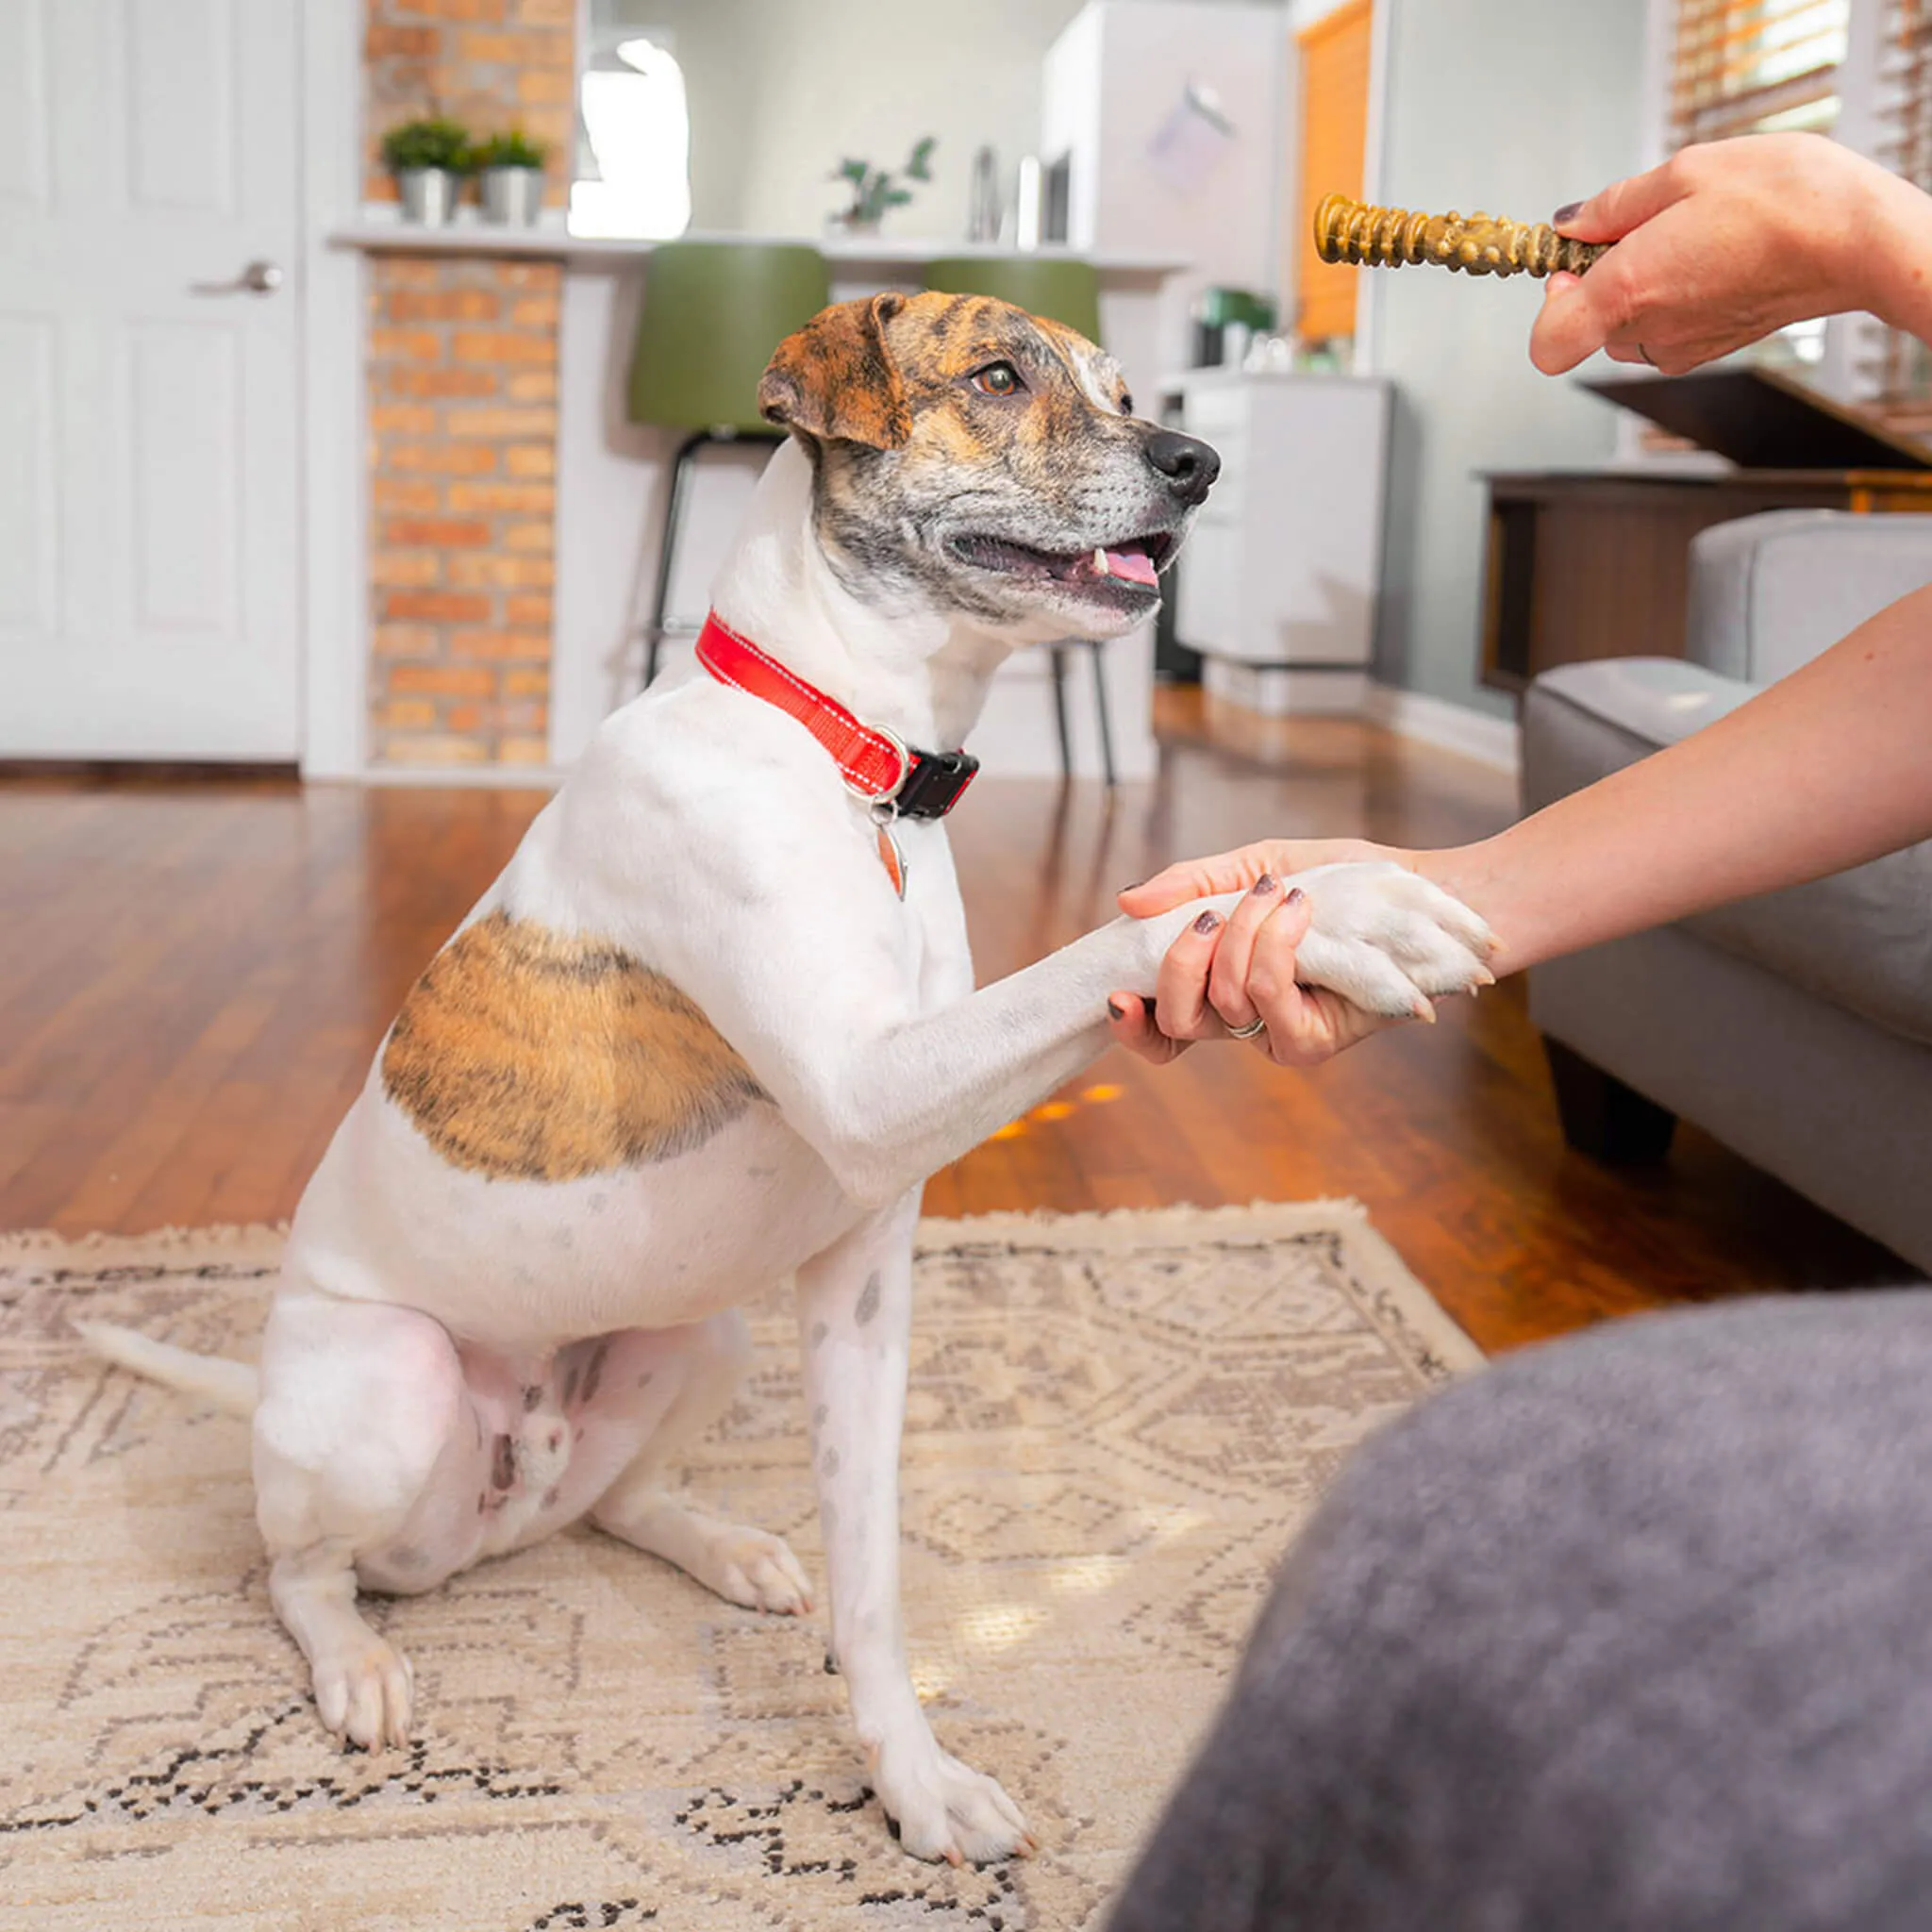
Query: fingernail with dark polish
point(1295, 897)
point(1264, 885)
point(1115, 1011)
point(1207, 922)
point(1568, 212)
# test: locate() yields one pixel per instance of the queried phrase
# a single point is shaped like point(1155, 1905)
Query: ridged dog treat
point(1478, 245)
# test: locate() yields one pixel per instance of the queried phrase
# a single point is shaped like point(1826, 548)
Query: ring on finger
point(1255, 1026)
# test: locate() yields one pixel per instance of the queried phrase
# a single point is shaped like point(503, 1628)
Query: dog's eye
point(998, 379)
point(1126, 403)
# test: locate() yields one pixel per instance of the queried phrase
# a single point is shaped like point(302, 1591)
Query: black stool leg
point(1056, 658)
point(1099, 711)
point(681, 467)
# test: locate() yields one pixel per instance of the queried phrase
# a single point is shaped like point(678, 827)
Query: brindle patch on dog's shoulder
point(527, 1054)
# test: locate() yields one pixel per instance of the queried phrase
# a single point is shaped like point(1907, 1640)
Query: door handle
point(257, 278)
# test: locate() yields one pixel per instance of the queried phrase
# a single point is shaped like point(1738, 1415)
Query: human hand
point(1222, 976)
point(1720, 247)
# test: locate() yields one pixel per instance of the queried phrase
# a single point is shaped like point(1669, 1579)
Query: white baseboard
point(1494, 742)
point(1276, 692)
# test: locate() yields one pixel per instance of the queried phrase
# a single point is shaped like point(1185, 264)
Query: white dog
point(714, 1025)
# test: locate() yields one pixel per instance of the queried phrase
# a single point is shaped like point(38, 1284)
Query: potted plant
point(873, 190)
point(428, 159)
point(510, 174)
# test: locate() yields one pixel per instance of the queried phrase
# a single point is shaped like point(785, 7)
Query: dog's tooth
point(1100, 566)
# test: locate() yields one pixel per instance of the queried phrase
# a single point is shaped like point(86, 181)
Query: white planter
point(428, 196)
point(511, 197)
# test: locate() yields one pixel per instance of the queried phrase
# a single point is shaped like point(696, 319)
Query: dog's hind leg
point(359, 1404)
point(744, 1565)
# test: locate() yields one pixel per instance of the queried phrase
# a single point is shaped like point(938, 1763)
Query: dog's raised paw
point(1390, 941)
point(947, 1811)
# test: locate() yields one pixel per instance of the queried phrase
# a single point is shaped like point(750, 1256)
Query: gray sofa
point(1797, 1027)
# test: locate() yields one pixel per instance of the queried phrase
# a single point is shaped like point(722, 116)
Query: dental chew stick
point(1478, 245)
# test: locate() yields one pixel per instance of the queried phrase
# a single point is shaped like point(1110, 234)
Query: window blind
point(1752, 66)
point(1897, 365)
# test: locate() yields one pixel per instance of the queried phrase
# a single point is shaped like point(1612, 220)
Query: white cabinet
point(1280, 579)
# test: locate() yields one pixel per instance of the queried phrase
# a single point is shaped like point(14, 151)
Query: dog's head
point(972, 458)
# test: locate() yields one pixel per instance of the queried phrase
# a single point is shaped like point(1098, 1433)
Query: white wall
point(1516, 107)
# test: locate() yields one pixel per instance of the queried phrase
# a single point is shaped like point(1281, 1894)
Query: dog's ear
point(836, 377)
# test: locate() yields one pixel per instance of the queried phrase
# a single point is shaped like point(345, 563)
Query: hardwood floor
point(194, 974)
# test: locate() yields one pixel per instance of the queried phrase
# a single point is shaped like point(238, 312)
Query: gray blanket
point(1631, 1631)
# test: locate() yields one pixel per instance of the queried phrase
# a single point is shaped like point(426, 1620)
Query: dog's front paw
point(364, 1690)
point(945, 1810)
point(1389, 941)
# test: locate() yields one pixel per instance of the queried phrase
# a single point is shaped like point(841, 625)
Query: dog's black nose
point(1188, 464)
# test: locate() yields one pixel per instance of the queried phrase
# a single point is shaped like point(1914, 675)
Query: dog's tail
point(230, 1385)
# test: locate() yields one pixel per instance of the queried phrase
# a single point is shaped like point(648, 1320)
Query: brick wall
point(463, 406)
point(462, 415)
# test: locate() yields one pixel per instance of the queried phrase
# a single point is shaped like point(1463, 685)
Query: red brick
point(529, 459)
point(536, 312)
point(403, 419)
point(436, 607)
point(532, 386)
point(406, 344)
point(450, 459)
point(524, 499)
point(416, 749)
point(475, 572)
point(403, 381)
point(532, 606)
point(444, 305)
point(531, 274)
point(524, 751)
point(405, 272)
point(540, 537)
point(548, 12)
point(526, 684)
point(546, 86)
point(406, 713)
point(502, 423)
point(448, 680)
point(453, 10)
point(410, 499)
point(406, 641)
point(418, 43)
point(437, 533)
point(517, 49)
point(502, 345)
point(412, 569)
point(514, 647)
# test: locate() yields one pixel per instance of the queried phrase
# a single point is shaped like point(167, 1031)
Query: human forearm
point(1900, 250)
point(1827, 769)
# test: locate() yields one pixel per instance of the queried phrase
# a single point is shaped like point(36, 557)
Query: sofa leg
point(1603, 1117)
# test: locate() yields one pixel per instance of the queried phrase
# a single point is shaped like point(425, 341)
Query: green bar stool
point(713, 311)
point(1065, 292)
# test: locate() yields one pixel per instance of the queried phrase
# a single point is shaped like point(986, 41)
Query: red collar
point(901, 782)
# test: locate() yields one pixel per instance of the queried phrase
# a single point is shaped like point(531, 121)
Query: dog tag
point(892, 859)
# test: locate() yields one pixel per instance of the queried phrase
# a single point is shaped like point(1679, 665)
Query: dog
point(715, 1025)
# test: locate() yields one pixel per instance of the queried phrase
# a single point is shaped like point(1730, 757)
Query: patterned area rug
point(1116, 1424)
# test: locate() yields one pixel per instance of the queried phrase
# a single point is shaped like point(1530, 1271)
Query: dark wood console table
point(1596, 563)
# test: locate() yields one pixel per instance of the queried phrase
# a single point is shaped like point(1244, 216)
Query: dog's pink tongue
point(1136, 566)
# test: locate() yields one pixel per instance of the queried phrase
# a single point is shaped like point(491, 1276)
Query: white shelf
point(378, 233)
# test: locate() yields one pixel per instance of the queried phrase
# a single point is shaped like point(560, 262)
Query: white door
point(149, 434)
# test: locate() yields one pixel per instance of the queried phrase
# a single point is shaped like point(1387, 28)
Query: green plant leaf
point(919, 166)
point(433, 143)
